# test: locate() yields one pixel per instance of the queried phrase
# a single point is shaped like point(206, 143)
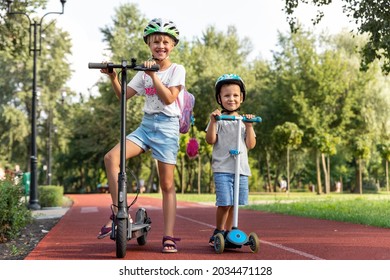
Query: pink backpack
point(186, 111)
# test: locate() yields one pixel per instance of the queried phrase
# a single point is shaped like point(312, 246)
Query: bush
point(50, 196)
point(14, 214)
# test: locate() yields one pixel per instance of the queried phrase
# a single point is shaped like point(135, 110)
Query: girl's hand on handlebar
point(149, 64)
point(214, 114)
point(105, 71)
point(248, 116)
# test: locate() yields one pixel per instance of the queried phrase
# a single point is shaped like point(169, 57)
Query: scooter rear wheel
point(254, 242)
point(141, 217)
point(121, 238)
point(219, 243)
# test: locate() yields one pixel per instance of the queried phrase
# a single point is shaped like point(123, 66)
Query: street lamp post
point(36, 29)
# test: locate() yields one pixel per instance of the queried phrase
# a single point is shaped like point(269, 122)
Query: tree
point(371, 17)
point(16, 78)
point(384, 149)
point(288, 137)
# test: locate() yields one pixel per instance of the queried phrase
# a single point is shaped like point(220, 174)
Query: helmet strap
point(160, 60)
point(230, 112)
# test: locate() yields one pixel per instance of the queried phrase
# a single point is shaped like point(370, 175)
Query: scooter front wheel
point(254, 243)
point(219, 243)
point(121, 238)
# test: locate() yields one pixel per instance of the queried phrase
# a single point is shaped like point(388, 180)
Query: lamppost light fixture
point(9, 2)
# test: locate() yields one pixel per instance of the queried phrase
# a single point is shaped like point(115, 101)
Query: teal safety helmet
point(229, 79)
point(162, 26)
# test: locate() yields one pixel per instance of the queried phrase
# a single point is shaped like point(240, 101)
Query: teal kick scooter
point(236, 238)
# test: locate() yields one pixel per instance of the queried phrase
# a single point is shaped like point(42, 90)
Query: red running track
point(281, 237)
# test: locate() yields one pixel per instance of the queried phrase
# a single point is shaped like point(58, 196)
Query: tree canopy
point(319, 111)
point(371, 17)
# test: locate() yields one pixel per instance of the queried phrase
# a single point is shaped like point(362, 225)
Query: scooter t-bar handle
point(233, 118)
point(93, 65)
point(141, 67)
point(109, 65)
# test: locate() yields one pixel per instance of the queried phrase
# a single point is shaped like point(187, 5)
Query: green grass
point(367, 209)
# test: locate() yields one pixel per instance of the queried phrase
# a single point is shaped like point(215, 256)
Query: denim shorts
point(224, 189)
point(160, 134)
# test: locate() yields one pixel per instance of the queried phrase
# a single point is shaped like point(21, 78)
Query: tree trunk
point(319, 184)
point(182, 183)
point(360, 177)
point(328, 160)
point(269, 183)
point(324, 168)
point(387, 175)
point(288, 170)
point(199, 173)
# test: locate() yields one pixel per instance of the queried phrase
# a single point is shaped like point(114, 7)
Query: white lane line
point(279, 246)
point(89, 209)
point(291, 250)
point(195, 221)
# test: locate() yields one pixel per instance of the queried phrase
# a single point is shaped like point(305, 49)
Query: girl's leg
point(112, 164)
point(222, 217)
point(166, 172)
point(229, 220)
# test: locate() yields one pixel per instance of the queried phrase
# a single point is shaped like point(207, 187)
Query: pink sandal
point(167, 247)
point(105, 231)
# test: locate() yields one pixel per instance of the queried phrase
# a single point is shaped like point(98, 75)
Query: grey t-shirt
point(222, 161)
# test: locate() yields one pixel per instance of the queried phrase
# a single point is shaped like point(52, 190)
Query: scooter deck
point(135, 227)
point(138, 230)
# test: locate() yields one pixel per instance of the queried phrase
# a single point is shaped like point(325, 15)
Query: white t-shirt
point(222, 161)
point(143, 85)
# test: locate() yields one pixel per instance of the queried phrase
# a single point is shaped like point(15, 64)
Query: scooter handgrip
point(232, 118)
point(255, 119)
point(225, 118)
point(154, 67)
point(93, 65)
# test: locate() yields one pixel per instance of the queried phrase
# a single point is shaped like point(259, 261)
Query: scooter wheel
point(219, 243)
point(254, 242)
point(140, 216)
point(142, 239)
point(121, 238)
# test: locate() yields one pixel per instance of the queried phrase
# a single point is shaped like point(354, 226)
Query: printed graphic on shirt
point(151, 93)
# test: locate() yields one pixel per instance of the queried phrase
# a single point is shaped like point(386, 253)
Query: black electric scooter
point(123, 228)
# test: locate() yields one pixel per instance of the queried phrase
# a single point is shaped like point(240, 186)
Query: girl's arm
point(211, 133)
point(116, 84)
point(118, 88)
point(250, 139)
point(167, 95)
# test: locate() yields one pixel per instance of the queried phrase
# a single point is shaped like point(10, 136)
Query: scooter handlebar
point(155, 67)
point(256, 119)
point(94, 65)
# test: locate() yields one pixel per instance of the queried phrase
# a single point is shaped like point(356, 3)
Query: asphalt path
point(282, 237)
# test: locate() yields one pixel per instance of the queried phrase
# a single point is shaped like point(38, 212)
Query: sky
point(259, 20)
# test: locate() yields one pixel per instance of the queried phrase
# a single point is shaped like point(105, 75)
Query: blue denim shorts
point(160, 134)
point(224, 189)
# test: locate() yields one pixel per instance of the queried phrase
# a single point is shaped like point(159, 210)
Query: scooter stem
point(237, 176)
